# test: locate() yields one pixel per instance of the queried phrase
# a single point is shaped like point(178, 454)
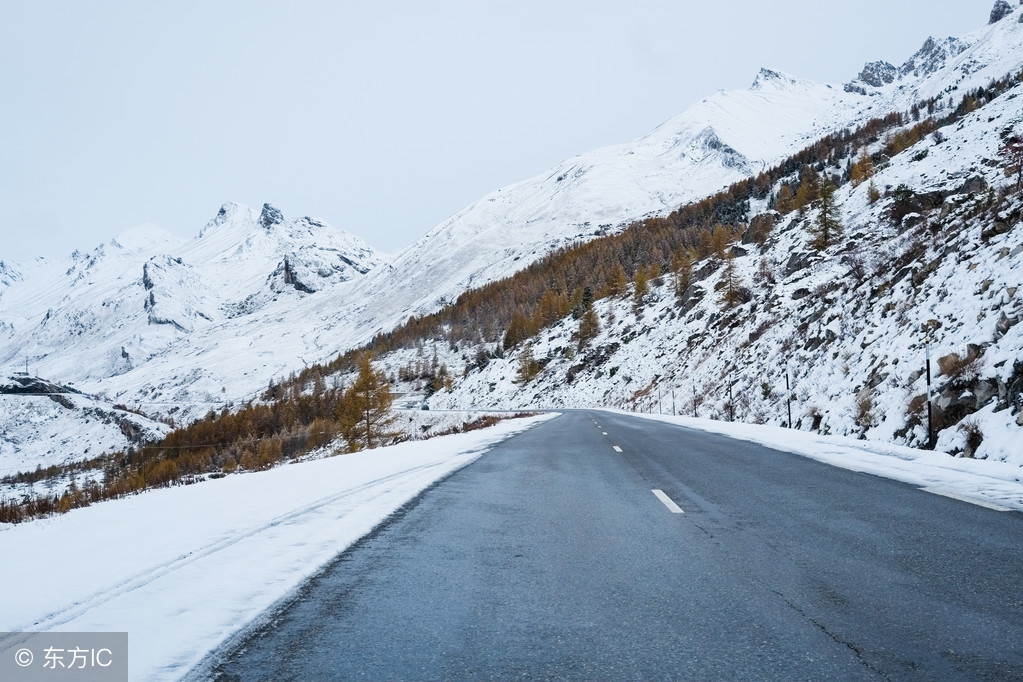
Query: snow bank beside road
point(180, 569)
point(998, 485)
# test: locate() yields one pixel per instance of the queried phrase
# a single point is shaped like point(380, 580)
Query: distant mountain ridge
point(111, 301)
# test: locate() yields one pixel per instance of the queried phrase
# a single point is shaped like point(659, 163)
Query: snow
point(39, 431)
point(996, 485)
point(181, 569)
point(168, 326)
point(182, 326)
point(146, 238)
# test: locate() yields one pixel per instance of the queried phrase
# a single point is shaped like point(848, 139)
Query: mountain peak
point(8, 274)
point(225, 214)
point(270, 216)
point(771, 77)
point(932, 56)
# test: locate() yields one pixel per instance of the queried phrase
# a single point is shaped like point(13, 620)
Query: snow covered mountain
point(715, 143)
point(128, 305)
point(179, 327)
point(933, 266)
point(116, 307)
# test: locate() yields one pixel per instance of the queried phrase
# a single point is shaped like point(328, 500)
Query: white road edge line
point(617, 449)
point(964, 498)
point(668, 502)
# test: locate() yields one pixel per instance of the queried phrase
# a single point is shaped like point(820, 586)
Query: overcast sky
point(382, 118)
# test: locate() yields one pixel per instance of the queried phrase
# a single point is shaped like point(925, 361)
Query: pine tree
point(682, 264)
point(445, 378)
point(367, 414)
point(642, 288)
point(587, 298)
point(518, 330)
point(552, 308)
point(873, 193)
point(732, 291)
point(720, 239)
point(616, 282)
point(589, 326)
point(862, 170)
point(827, 228)
point(808, 190)
point(528, 366)
point(783, 204)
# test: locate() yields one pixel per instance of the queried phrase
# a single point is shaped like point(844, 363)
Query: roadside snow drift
point(181, 569)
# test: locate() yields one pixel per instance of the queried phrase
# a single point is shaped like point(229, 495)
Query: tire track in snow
point(145, 577)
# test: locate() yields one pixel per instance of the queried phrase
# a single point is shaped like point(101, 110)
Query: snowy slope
point(182, 327)
point(42, 424)
point(113, 317)
point(851, 327)
point(719, 140)
point(713, 144)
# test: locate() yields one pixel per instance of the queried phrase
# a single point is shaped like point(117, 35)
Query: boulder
point(1004, 324)
point(877, 74)
point(973, 185)
point(1001, 10)
point(797, 261)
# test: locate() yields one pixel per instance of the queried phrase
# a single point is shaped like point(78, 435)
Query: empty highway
point(603, 546)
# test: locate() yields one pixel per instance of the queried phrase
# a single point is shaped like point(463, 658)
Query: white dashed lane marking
point(668, 502)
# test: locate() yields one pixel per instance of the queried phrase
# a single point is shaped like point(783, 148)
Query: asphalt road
point(551, 558)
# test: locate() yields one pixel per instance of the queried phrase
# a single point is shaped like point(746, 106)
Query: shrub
point(917, 408)
point(974, 436)
point(960, 369)
point(864, 415)
point(816, 417)
point(760, 228)
point(873, 193)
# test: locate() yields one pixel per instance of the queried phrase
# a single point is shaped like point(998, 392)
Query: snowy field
point(181, 569)
point(997, 485)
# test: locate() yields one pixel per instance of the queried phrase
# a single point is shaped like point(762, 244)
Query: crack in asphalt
point(857, 651)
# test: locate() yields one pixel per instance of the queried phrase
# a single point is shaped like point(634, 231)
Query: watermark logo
point(70, 656)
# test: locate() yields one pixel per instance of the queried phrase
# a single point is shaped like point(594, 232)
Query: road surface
point(552, 557)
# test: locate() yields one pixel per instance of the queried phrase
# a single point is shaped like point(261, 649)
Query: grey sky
point(383, 118)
